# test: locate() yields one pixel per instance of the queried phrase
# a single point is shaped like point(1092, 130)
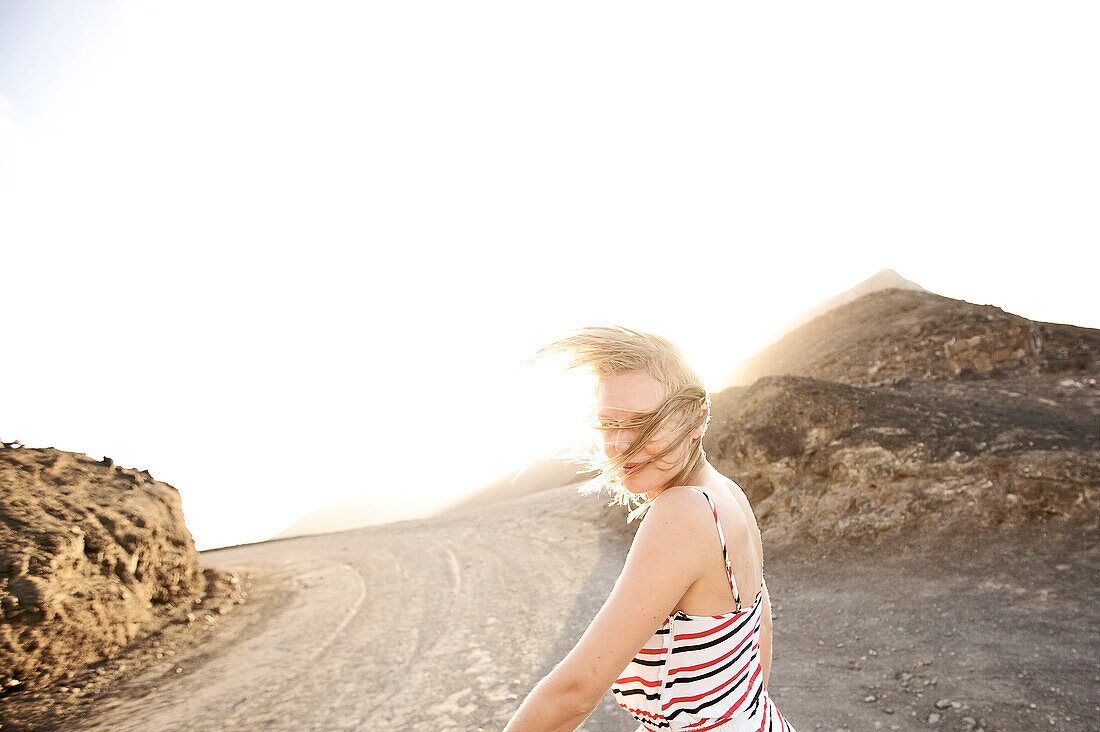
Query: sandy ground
point(446, 623)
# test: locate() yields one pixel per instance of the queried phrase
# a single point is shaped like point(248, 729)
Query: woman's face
point(623, 397)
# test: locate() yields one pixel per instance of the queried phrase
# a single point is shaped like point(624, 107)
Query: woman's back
point(710, 594)
point(704, 670)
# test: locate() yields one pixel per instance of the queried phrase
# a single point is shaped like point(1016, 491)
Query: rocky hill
point(894, 334)
point(884, 279)
point(91, 555)
point(904, 409)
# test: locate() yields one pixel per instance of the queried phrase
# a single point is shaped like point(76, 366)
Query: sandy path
point(244, 670)
point(392, 627)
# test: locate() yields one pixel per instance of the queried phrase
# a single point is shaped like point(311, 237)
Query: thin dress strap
point(725, 555)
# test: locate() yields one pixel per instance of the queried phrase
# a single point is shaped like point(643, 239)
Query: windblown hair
point(610, 350)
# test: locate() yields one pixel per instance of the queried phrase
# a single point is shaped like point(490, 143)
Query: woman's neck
point(696, 477)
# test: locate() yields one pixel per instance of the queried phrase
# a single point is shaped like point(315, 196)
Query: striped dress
point(702, 672)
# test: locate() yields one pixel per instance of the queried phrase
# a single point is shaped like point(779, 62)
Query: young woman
point(684, 638)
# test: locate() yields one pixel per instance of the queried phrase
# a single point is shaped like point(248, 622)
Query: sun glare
point(280, 253)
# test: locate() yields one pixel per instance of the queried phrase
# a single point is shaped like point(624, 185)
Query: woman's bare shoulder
point(679, 511)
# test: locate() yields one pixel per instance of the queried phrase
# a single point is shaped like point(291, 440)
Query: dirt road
point(395, 627)
point(445, 624)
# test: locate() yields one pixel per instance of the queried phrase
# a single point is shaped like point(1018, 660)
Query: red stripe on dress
point(721, 658)
point(639, 679)
point(642, 712)
point(782, 723)
point(712, 723)
point(737, 704)
point(697, 697)
point(720, 723)
point(715, 629)
point(765, 716)
point(729, 713)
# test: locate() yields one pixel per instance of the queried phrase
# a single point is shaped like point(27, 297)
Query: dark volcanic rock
point(822, 460)
point(910, 409)
point(89, 552)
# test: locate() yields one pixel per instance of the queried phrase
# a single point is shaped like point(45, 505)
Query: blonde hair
point(610, 350)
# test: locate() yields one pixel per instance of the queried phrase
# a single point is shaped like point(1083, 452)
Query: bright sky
point(281, 253)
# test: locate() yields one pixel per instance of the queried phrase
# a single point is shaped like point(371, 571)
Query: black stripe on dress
point(755, 703)
point(642, 662)
point(715, 700)
point(649, 697)
point(716, 641)
point(708, 674)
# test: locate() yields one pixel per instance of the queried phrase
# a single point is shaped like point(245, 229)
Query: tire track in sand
point(273, 691)
point(249, 673)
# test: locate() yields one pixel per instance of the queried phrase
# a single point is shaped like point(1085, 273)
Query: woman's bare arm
point(558, 703)
point(766, 636)
point(664, 560)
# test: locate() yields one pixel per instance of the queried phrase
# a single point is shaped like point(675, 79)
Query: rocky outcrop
point(905, 409)
point(89, 554)
point(822, 460)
